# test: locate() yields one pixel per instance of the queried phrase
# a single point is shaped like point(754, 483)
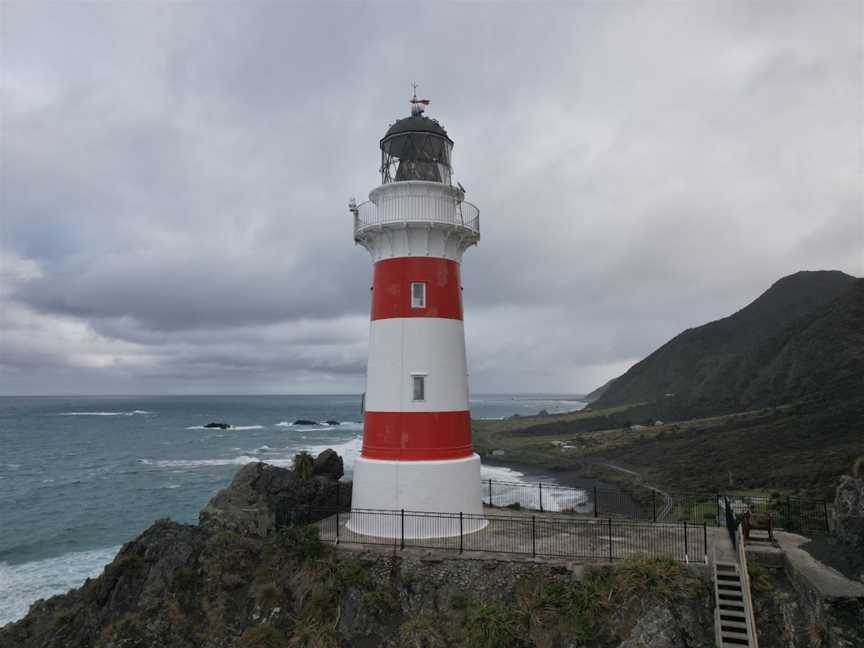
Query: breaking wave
point(132, 413)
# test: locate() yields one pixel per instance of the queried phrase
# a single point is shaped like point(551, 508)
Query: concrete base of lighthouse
point(383, 488)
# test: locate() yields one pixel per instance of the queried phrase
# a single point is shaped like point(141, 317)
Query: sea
point(79, 476)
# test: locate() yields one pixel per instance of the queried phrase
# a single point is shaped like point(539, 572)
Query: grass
point(799, 448)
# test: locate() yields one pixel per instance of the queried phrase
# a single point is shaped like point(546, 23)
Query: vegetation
point(262, 636)
point(300, 543)
point(303, 464)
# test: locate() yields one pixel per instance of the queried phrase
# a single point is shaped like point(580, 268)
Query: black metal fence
point(548, 535)
point(786, 513)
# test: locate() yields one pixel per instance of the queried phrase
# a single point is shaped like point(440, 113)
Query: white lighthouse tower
point(417, 453)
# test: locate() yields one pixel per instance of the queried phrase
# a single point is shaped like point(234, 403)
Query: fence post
point(609, 526)
point(595, 501)
point(337, 524)
point(533, 537)
point(686, 547)
point(705, 538)
point(788, 524)
point(461, 536)
point(338, 499)
point(540, 484)
point(490, 492)
point(402, 541)
point(825, 511)
point(654, 504)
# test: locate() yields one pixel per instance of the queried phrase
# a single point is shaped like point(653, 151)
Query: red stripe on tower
point(417, 436)
point(392, 281)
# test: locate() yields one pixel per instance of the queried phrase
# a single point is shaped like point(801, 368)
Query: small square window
point(418, 387)
point(418, 295)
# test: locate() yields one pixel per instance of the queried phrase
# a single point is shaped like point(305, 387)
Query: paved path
point(530, 534)
point(668, 504)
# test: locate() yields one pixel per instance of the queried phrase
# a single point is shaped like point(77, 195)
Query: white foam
point(242, 460)
point(25, 583)
point(500, 473)
point(230, 427)
point(132, 413)
point(284, 424)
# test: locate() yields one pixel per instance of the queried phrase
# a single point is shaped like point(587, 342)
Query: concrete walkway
point(826, 581)
point(544, 535)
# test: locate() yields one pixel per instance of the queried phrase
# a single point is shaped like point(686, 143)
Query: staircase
point(734, 623)
point(730, 610)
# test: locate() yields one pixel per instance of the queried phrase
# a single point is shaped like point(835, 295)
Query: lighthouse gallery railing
point(419, 208)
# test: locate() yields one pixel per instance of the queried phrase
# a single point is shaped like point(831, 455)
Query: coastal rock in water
point(217, 426)
point(261, 495)
point(543, 412)
point(332, 422)
point(304, 422)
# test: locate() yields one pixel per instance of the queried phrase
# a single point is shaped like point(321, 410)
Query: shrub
point(262, 636)
point(495, 625)
point(301, 543)
point(421, 631)
point(382, 602)
point(266, 595)
point(303, 463)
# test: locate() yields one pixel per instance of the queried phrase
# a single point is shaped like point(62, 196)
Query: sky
point(175, 180)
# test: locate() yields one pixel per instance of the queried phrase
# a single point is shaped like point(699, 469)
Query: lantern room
point(416, 148)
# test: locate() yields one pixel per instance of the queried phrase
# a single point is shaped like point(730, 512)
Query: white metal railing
point(416, 208)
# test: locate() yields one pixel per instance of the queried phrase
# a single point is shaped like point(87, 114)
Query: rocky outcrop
point(848, 512)
point(262, 497)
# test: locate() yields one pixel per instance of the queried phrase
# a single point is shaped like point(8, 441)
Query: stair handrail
point(744, 575)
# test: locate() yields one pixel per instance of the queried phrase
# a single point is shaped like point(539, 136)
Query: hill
point(802, 337)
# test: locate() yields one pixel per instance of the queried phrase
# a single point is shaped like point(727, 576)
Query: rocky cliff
point(240, 579)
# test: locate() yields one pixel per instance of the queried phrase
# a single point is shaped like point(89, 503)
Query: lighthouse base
point(382, 489)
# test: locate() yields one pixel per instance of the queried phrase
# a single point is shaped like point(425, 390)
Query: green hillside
point(801, 337)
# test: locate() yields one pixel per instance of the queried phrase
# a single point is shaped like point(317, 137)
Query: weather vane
point(417, 105)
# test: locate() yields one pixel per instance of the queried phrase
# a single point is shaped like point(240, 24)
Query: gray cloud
point(175, 178)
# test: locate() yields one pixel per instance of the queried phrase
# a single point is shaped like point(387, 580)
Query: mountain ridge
point(781, 347)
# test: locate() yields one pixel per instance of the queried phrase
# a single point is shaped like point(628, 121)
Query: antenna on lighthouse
point(418, 105)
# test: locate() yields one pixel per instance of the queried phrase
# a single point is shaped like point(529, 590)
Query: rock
point(328, 464)
point(543, 412)
point(332, 422)
point(219, 426)
point(304, 422)
point(262, 497)
point(498, 453)
point(848, 512)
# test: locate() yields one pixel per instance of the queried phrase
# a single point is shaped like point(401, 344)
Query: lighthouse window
point(418, 295)
point(418, 386)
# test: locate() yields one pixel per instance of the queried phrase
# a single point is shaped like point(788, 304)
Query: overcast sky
point(175, 180)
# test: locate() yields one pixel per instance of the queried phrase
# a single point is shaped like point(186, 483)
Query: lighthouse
point(417, 454)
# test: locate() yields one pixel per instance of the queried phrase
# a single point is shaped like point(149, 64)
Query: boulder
point(328, 464)
point(217, 426)
point(848, 512)
point(332, 422)
point(263, 497)
point(304, 422)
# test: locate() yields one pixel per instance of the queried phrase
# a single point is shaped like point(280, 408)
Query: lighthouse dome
point(416, 124)
point(416, 148)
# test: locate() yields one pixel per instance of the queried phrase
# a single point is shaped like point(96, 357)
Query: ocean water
point(80, 476)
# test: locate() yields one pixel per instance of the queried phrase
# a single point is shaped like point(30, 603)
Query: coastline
point(571, 476)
